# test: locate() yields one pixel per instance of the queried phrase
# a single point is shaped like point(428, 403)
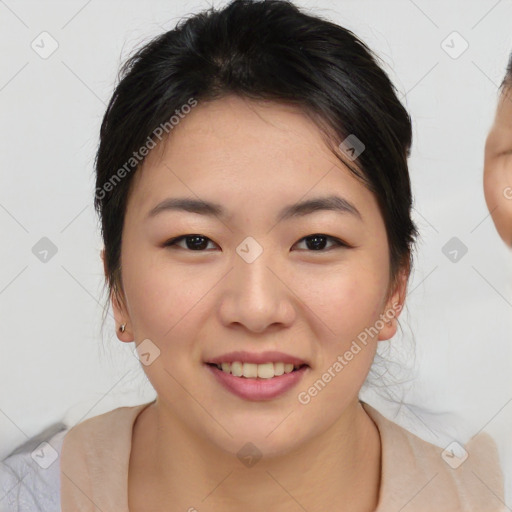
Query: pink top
point(415, 476)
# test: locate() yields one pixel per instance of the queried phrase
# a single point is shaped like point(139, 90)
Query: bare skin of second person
point(498, 167)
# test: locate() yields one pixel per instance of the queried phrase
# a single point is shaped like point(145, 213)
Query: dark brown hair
point(268, 50)
point(507, 81)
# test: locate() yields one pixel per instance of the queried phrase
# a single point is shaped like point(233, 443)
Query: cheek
point(163, 298)
point(346, 299)
point(346, 304)
point(166, 308)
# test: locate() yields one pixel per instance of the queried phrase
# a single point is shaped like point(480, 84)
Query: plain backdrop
point(446, 59)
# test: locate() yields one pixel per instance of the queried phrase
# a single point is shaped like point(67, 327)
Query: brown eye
point(317, 242)
point(192, 242)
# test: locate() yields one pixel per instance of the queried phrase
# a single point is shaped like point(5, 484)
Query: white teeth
point(252, 370)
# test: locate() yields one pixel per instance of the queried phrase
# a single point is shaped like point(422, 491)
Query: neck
point(173, 465)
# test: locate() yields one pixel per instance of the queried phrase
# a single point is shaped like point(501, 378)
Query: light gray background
point(56, 364)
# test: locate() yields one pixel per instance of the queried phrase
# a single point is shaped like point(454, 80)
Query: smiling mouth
point(257, 371)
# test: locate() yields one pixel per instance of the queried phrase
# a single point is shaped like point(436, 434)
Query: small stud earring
point(122, 328)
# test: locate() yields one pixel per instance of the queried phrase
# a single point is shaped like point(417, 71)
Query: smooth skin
point(498, 167)
point(254, 158)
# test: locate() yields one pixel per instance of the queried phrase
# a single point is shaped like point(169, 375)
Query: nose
point(256, 295)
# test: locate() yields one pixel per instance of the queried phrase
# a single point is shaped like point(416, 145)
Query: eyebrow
point(201, 207)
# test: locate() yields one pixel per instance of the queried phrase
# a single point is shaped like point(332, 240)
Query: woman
point(498, 162)
point(254, 195)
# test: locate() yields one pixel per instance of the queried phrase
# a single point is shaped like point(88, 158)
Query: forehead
point(234, 129)
point(239, 151)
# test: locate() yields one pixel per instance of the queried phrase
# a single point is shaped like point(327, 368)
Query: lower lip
point(256, 388)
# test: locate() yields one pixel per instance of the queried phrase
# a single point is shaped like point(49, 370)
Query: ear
point(393, 307)
point(120, 313)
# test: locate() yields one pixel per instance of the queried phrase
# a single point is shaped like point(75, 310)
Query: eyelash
point(338, 243)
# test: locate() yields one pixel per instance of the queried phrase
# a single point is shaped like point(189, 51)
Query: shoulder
point(113, 427)
point(29, 476)
point(92, 444)
point(95, 457)
point(457, 476)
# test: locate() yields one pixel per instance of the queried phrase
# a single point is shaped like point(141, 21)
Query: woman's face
point(253, 281)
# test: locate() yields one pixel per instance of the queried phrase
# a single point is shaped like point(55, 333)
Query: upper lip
point(257, 358)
